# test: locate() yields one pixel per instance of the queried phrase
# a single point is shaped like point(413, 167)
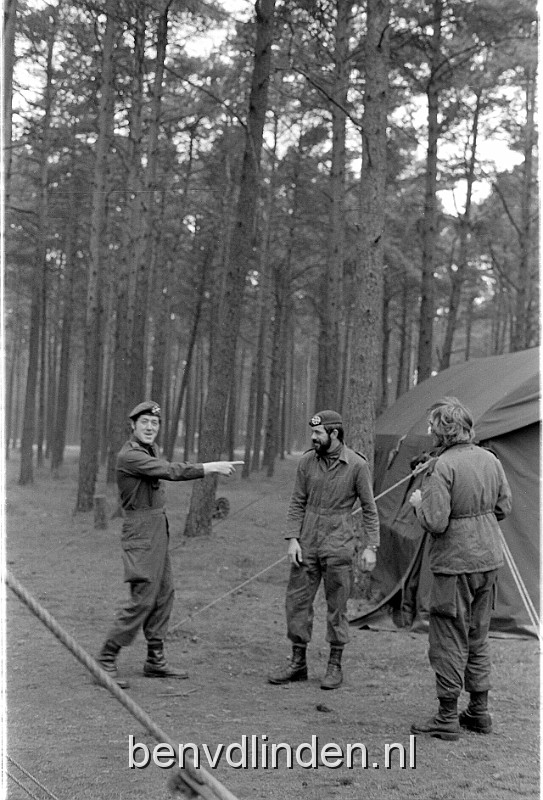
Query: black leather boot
point(108, 661)
point(333, 678)
point(445, 723)
point(476, 717)
point(156, 665)
point(296, 669)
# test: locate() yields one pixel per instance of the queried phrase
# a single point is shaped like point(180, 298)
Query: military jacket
point(139, 471)
point(463, 498)
point(324, 498)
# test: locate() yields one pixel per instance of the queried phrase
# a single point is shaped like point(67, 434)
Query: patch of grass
point(73, 736)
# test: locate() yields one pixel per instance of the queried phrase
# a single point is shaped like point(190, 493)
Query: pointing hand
point(221, 467)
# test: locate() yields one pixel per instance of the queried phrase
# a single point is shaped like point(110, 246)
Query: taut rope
point(198, 781)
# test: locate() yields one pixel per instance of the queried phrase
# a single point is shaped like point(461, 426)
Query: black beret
point(326, 417)
point(147, 407)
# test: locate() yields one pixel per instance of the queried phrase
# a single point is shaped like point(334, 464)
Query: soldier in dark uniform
point(330, 479)
point(144, 541)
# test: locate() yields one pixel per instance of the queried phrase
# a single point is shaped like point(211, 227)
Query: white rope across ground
point(27, 774)
point(197, 782)
point(420, 468)
point(226, 594)
point(530, 608)
point(22, 786)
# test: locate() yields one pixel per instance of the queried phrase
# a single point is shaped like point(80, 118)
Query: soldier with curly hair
point(460, 503)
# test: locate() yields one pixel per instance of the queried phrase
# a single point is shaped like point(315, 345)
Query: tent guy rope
point(28, 775)
point(420, 468)
point(530, 608)
point(521, 586)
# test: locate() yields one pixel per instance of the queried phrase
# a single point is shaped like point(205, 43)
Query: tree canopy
point(250, 210)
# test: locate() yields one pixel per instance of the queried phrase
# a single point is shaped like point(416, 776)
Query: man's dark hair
point(338, 428)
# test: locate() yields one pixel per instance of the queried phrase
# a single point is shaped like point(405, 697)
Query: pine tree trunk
point(250, 423)
point(90, 438)
point(469, 326)
point(176, 411)
point(255, 413)
point(26, 474)
point(8, 44)
point(346, 352)
point(520, 338)
point(233, 401)
point(147, 219)
point(42, 409)
point(124, 394)
point(161, 389)
point(282, 279)
point(458, 277)
point(406, 341)
point(13, 382)
point(260, 388)
point(52, 372)
point(328, 379)
point(427, 305)
point(282, 283)
point(63, 389)
point(238, 264)
point(383, 402)
point(359, 418)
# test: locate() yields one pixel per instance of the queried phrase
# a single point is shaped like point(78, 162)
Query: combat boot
point(445, 723)
point(107, 659)
point(476, 717)
point(333, 678)
point(156, 665)
point(296, 669)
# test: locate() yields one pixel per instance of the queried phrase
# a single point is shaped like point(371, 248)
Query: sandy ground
point(69, 739)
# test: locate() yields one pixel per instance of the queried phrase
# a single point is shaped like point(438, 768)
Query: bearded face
point(321, 440)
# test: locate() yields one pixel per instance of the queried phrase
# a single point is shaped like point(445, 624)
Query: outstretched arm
point(220, 467)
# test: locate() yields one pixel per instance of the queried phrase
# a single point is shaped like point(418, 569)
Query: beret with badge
point(327, 417)
point(147, 407)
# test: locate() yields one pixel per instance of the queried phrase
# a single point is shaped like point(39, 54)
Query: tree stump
point(222, 508)
point(100, 512)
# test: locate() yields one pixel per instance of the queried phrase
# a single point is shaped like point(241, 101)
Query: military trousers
point(335, 571)
point(148, 571)
point(459, 651)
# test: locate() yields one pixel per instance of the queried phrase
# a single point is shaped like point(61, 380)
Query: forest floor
point(72, 736)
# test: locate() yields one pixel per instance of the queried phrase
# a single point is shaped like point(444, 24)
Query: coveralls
point(320, 516)
point(144, 540)
point(463, 498)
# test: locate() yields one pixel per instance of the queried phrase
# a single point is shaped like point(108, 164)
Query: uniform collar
point(331, 458)
point(149, 448)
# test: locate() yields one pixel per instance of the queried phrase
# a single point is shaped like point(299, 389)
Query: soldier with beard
point(329, 480)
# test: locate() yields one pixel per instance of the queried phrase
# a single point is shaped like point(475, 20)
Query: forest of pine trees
point(251, 210)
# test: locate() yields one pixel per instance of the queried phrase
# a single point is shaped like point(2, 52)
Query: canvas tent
point(504, 397)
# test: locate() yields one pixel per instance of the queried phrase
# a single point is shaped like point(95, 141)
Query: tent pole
point(530, 608)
